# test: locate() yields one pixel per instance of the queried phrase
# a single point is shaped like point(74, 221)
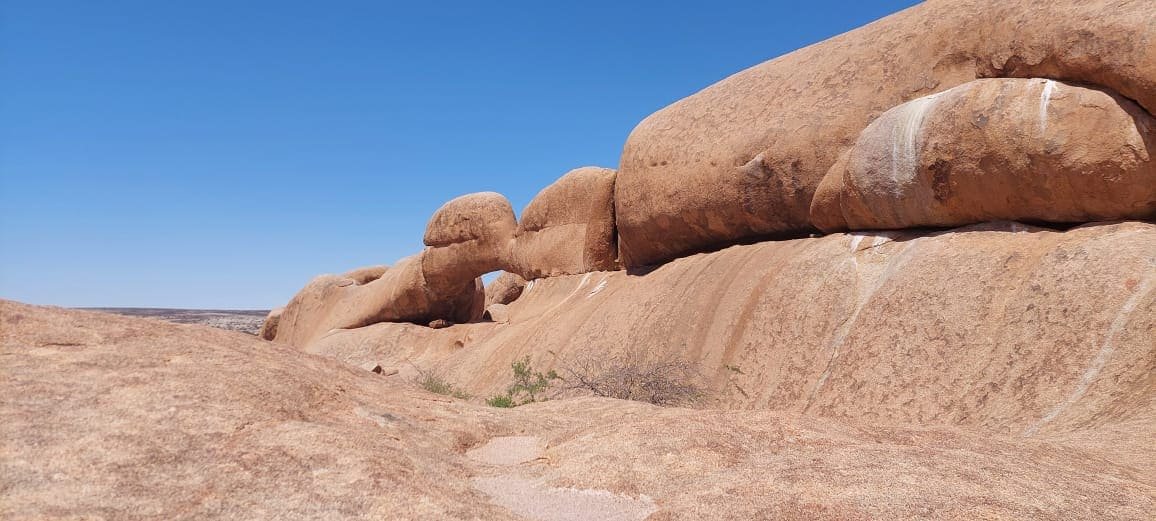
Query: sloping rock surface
point(1005, 327)
point(123, 418)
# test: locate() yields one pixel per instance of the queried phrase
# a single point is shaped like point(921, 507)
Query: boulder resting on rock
point(568, 228)
point(996, 149)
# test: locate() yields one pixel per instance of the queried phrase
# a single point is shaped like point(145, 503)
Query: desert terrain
point(908, 272)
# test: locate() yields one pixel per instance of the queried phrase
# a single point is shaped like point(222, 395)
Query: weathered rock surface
point(568, 228)
point(505, 289)
point(997, 149)
point(377, 368)
point(367, 274)
point(741, 159)
point(1003, 326)
point(119, 418)
point(826, 205)
point(124, 418)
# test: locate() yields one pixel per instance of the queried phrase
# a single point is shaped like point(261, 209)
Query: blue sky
point(218, 154)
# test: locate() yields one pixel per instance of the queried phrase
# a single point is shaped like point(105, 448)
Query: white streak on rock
point(906, 133)
point(1045, 98)
point(599, 287)
point(581, 284)
point(855, 240)
point(1102, 357)
point(865, 288)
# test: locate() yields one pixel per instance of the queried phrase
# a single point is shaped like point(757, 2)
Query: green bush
point(529, 386)
point(501, 400)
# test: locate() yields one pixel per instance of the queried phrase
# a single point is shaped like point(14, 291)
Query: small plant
point(529, 383)
point(529, 386)
point(437, 384)
point(502, 400)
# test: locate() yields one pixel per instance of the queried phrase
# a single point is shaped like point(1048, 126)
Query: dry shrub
point(667, 382)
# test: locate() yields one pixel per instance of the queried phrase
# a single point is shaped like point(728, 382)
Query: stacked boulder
point(568, 228)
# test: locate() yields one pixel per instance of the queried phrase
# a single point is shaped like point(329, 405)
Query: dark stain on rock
point(941, 179)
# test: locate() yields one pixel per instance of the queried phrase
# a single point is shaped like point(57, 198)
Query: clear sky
point(219, 154)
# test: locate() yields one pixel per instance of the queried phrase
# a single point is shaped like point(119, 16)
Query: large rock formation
point(740, 160)
point(996, 149)
point(895, 125)
point(568, 228)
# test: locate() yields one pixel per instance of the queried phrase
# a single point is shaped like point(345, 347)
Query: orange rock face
point(997, 149)
point(895, 125)
point(466, 238)
point(741, 159)
point(568, 228)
